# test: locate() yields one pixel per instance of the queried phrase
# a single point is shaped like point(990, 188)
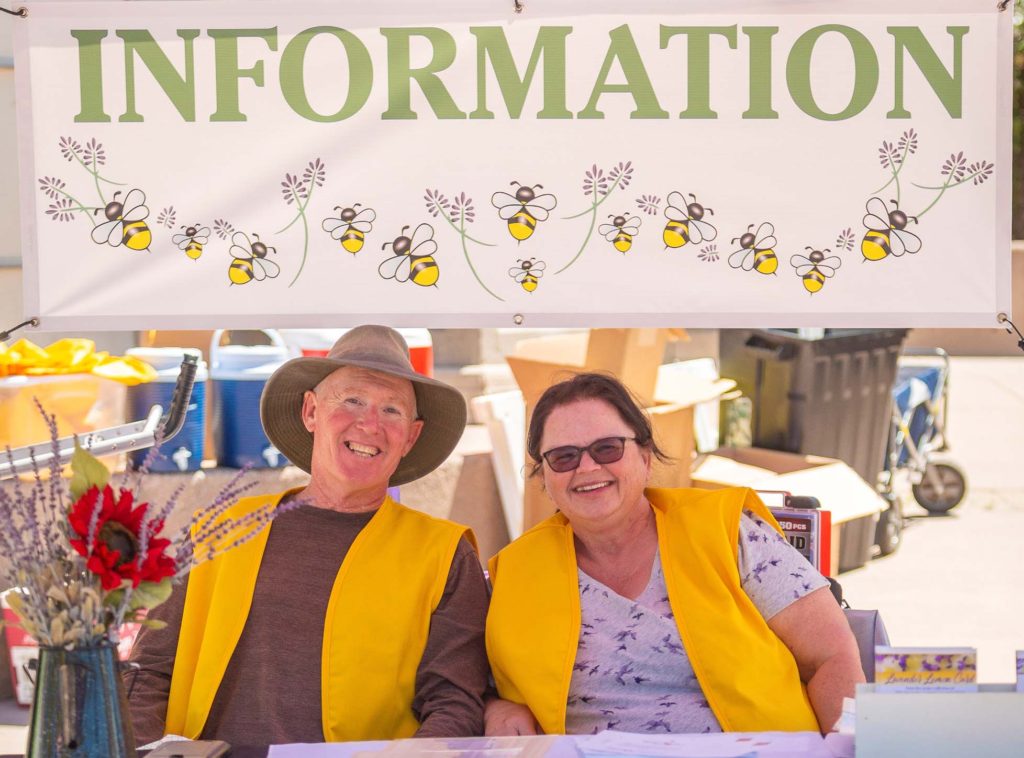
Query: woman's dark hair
point(591, 386)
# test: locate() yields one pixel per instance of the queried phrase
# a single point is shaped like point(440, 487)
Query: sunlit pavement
point(957, 579)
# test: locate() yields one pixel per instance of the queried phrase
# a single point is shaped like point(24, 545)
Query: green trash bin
point(827, 395)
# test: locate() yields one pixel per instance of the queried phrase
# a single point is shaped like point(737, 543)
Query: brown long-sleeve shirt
point(271, 689)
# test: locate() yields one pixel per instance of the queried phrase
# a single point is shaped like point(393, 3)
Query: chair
point(869, 631)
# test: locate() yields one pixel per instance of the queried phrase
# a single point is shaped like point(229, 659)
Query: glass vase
point(79, 709)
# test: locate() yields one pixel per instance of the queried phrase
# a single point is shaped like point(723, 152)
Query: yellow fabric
point(748, 676)
point(375, 629)
point(72, 356)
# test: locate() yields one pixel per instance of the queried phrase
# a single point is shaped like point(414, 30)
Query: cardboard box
point(853, 503)
point(634, 356)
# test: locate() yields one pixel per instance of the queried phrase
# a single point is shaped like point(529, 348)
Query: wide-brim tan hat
point(376, 348)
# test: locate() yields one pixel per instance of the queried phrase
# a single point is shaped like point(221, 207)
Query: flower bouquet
point(82, 557)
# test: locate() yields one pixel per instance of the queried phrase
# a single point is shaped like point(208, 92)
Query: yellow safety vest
point(408, 552)
point(747, 674)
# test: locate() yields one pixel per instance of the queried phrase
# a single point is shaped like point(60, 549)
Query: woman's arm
point(815, 630)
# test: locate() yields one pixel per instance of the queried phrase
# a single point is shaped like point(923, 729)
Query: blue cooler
point(239, 373)
point(185, 451)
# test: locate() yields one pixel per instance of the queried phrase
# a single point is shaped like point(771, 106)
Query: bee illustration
point(125, 224)
point(524, 210)
point(757, 250)
point(351, 226)
point(413, 258)
point(192, 240)
point(527, 273)
point(249, 260)
point(815, 268)
point(620, 231)
point(686, 222)
point(887, 231)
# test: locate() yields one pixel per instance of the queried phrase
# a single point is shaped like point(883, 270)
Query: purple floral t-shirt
point(632, 673)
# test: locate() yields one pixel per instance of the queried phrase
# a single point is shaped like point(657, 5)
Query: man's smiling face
point(363, 422)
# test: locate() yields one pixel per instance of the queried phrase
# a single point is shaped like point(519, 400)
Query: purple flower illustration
point(649, 204)
point(61, 210)
point(222, 228)
point(595, 181)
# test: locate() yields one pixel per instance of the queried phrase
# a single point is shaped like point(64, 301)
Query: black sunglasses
point(602, 451)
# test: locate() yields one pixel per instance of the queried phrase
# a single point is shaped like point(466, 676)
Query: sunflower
point(116, 528)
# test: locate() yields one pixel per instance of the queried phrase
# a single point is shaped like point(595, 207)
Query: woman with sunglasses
point(653, 610)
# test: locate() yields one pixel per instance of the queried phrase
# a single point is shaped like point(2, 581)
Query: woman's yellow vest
point(373, 639)
point(748, 675)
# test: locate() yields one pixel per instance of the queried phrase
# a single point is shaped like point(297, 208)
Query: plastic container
point(81, 403)
point(238, 374)
point(317, 342)
point(827, 395)
point(185, 451)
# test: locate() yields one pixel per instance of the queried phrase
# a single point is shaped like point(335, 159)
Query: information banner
point(713, 163)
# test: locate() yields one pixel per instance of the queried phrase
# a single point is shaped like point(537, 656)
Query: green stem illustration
point(462, 232)
point(590, 231)
point(305, 244)
point(77, 202)
point(593, 220)
point(461, 229)
point(594, 207)
point(96, 176)
point(305, 226)
point(942, 190)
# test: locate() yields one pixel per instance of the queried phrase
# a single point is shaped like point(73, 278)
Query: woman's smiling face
point(594, 492)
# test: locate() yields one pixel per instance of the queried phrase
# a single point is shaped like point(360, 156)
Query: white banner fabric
point(706, 164)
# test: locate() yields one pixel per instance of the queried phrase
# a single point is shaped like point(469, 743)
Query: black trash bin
point(830, 396)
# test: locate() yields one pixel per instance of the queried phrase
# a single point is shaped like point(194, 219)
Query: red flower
point(115, 549)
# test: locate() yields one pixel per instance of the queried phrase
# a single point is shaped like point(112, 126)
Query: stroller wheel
point(889, 530)
point(941, 488)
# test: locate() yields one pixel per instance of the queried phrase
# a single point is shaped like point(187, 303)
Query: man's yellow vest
point(748, 675)
point(378, 618)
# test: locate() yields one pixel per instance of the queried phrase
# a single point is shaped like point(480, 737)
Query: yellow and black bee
point(815, 268)
point(350, 227)
point(524, 210)
point(125, 224)
point(527, 273)
point(887, 231)
point(192, 240)
point(621, 231)
point(413, 257)
point(757, 250)
point(249, 261)
point(686, 222)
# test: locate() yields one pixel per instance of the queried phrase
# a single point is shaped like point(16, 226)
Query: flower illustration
point(599, 186)
point(167, 217)
point(458, 212)
point(708, 253)
point(222, 228)
point(649, 204)
point(298, 191)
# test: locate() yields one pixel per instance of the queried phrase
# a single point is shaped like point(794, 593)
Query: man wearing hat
point(352, 617)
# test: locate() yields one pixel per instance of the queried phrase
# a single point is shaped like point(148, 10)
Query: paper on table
point(729, 745)
point(324, 749)
point(477, 747)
